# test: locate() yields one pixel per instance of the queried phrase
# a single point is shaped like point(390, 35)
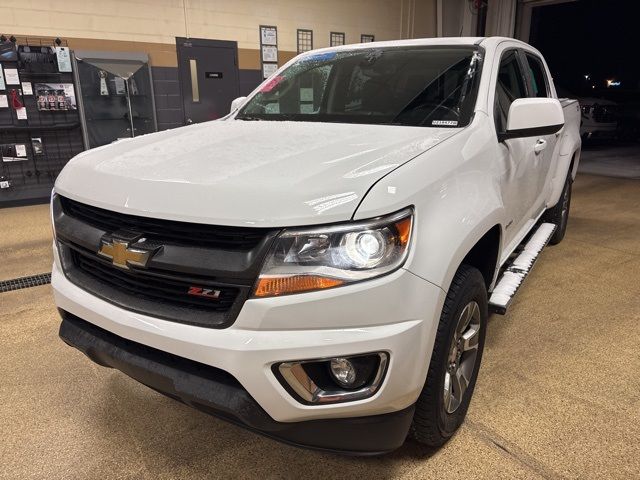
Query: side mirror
point(236, 103)
point(533, 117)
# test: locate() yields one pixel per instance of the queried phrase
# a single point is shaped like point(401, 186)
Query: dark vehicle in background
point(599, 118)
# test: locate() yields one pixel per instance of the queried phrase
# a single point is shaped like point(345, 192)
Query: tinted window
point(430, 86)
point(510, 86)
point(537, 76)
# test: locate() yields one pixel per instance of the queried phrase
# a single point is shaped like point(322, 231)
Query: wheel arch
point(485, 254)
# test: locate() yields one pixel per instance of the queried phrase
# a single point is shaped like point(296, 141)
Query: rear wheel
point(559, 215)
point(455, 360)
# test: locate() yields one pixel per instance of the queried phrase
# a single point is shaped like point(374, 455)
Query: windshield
point(430, 86)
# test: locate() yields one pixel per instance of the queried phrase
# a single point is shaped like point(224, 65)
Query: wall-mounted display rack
point(40, 128)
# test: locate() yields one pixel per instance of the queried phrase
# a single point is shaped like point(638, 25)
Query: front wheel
point(455, 361)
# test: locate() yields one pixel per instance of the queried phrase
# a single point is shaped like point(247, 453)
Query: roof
point(437, 41)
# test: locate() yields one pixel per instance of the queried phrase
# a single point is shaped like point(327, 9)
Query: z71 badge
point(204, 292)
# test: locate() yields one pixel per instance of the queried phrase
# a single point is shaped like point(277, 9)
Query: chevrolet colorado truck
point(319, 265)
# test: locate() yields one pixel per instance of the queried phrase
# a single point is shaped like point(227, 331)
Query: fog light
point(343, 372)
point(333, 380)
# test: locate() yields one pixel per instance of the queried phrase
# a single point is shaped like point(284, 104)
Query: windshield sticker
point(445, 123)
point(271, 84)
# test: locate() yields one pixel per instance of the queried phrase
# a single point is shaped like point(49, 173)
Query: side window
point(509, 87)
point(538, 77)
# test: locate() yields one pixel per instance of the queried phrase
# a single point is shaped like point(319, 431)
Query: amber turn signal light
point(273, 286)
point(404, 231)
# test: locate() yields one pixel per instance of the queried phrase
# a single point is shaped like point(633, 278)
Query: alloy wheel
point(462, 356)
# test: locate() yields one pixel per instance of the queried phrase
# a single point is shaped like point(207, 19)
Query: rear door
point(209, 77)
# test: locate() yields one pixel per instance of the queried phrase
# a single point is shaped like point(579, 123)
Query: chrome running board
point(517, 269)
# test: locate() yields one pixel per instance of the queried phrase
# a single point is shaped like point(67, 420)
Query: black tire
point(559, 215)
point(432, 424)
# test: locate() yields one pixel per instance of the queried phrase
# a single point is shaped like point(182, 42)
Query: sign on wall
point(268, 35)
point(268, 49)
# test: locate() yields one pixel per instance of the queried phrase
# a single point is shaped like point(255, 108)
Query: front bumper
point(397, 314)
point(218, 393)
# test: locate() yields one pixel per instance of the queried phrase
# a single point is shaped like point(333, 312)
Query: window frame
point(547, 85)
point(342, 34)
point(363, 36)
point(523, 76)
point(298, 32)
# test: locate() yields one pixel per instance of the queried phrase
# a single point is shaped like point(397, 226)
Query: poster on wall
point(268, 36)
point(269, 69)
point(55, 97)
point(269, 53)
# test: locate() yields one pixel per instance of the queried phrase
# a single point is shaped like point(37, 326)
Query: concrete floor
point(558, 394)
point(611, 159)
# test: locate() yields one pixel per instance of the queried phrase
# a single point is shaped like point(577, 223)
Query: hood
point(245, 173)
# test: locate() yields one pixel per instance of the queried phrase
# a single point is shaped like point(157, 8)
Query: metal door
point(209, 77)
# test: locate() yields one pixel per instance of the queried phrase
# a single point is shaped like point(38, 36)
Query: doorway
point(209, 77)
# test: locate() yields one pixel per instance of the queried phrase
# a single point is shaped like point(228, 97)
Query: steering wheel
point(437, 106)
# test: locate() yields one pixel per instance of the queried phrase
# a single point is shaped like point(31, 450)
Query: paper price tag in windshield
point(444, 123)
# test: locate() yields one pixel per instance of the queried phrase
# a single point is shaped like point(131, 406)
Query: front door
point(517, 156)
point(209, 78)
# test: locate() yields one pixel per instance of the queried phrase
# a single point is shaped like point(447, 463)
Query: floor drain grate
point(25, 282)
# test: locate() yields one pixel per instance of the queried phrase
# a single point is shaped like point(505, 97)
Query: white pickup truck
point(319, 266)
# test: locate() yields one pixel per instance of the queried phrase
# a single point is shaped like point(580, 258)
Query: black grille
point(153, 286)
point(167, 231)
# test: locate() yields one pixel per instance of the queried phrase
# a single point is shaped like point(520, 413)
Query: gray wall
point(249, 79)
point(166, 89)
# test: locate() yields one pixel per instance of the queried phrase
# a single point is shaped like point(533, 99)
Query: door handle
point(540, 146)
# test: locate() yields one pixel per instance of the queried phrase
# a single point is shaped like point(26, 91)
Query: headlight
point(324, 257)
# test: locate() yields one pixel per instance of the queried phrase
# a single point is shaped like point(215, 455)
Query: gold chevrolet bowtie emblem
point(122, 255)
